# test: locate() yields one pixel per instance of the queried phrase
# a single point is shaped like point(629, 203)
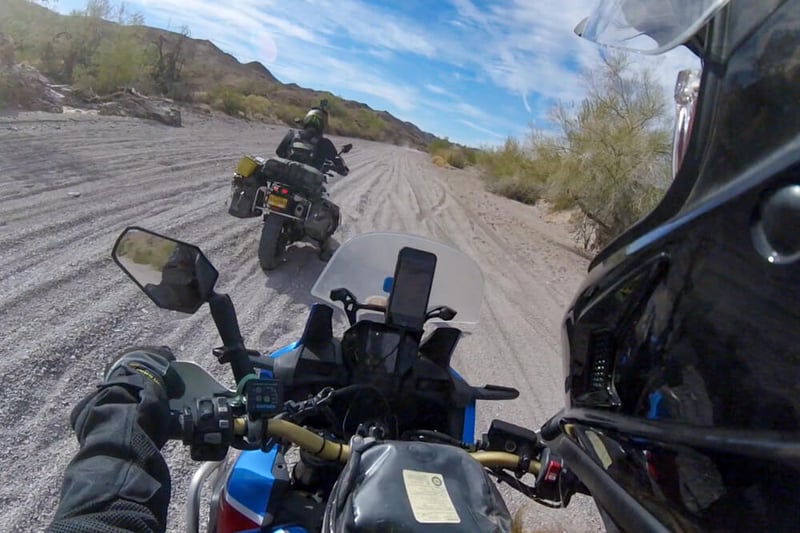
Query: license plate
point(277, 201)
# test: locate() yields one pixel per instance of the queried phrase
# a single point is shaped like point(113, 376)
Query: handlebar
point(334, 451)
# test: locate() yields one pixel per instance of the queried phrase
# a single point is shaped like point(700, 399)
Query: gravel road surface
point(70, 183)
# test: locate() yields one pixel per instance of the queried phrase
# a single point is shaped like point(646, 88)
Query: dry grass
point(439, 161)
point(444, 154)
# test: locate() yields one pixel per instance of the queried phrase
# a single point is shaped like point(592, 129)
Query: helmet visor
point(648, 26)
point(315, 121)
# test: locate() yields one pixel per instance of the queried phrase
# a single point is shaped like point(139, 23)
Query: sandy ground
point(70, 183)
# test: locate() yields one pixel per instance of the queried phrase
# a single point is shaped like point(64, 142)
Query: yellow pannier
point(247, 165)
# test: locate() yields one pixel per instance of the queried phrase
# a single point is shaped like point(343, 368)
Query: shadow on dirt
point(297, 273)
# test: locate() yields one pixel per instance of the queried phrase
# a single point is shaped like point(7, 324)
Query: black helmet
point(180, 286)
point(179, 270)
point(681, 347)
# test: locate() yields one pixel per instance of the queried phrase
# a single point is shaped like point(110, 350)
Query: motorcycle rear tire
point(270, 246)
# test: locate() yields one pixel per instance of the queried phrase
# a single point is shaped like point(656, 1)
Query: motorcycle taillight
point(231, 520)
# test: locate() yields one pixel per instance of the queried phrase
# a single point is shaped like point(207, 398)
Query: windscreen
point(648, 26)
point(364, 263)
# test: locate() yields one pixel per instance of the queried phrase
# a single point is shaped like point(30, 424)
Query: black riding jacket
point(324, 151)
point(118, 481)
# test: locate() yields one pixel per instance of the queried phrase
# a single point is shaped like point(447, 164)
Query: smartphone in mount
point(411, 289)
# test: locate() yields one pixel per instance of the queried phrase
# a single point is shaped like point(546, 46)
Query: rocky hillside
point(88, 51)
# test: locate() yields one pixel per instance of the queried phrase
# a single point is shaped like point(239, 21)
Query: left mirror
point(174, 274)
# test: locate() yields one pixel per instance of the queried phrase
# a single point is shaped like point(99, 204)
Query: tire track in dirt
point(66, 307)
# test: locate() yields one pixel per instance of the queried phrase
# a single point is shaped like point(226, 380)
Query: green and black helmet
point(317, 119)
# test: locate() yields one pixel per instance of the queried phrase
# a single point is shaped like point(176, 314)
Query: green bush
point(257, 107)
point(444, 151)
point(439, 145)
point(522, 190)
point(9, 92)
point(287, 113)
point(471, 155)
point(232, 103)
point(118, 62)
point(456, 158)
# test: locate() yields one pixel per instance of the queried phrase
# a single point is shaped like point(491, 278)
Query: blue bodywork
point(468, 434)
point(251, 480)
point(250, 483)
point(286, 349)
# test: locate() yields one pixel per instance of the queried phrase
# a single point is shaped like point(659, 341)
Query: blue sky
point(474, 71)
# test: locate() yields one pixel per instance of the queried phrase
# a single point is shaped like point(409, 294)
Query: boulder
point(24, 87)
point(129, 103)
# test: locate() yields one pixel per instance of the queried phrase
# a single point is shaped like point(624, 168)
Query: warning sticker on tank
point(429, 498)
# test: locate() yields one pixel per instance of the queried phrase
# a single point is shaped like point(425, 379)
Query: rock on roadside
point(129, 103)
point(24, 87)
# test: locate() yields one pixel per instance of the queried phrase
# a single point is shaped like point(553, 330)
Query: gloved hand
point(340, 167)
point(143, 375)
point(153, 362)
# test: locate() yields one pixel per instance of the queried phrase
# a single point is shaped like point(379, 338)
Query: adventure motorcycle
point(293, 200)
point(383, 394)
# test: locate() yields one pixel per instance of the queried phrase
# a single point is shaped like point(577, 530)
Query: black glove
point(153, 362)
point(145, 372)
point(341, 168)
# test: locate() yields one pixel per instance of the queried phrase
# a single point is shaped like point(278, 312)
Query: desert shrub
point(523, 190)
point(442, 150)
point(455, 158)
point(118, 62)
point(229, 101)
point(257, 107)
point(439, 161)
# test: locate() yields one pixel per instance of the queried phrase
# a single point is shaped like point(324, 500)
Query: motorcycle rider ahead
point(311, 147)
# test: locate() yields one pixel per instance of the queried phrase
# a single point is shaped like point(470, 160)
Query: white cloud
point(356, 77)
point(437, 89)
point(245, 17)
point(470, 110)
point(382, 54)
point(482, 129)
point(530, 48)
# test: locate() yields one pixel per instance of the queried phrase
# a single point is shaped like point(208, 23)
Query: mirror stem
point(224, 314)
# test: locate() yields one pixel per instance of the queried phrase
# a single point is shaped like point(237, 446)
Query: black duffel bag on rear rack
point(249, 188)
point(295, 175)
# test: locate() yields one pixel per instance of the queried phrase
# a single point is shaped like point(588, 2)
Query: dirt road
point(69, 184)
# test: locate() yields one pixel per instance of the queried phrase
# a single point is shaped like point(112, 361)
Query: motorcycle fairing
point(254, 478)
